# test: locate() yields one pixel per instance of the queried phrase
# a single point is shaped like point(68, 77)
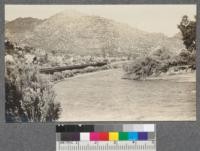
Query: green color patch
point(123, 136)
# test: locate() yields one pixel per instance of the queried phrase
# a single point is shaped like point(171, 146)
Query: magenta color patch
point(94, 136)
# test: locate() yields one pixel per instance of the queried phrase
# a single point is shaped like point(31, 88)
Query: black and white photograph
point(100, 63)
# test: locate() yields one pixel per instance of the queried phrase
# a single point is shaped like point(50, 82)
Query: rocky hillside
point(75, 33)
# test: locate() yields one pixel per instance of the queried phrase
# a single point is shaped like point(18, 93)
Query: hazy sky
point(151, 18)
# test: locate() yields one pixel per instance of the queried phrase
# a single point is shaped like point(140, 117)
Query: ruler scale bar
point(107, 146)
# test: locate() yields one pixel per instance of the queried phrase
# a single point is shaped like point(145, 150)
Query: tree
point(188, 30)
point(9, 47)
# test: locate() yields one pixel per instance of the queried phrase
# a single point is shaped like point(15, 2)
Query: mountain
point(76, 33)
point(20, 25)
point(19, 28)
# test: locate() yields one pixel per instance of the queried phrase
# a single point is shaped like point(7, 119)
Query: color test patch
point(103, 136)
point(143, 136)
point(84, 136)
point(70, 136)
point(113, 136)
point(133, 136)
point(94, 136)
point(123, 136)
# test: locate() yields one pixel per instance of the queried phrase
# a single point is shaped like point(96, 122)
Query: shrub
point(58, 76)
point(105, 67)
point(89, 69)
point(29, 96)
point(145, 66)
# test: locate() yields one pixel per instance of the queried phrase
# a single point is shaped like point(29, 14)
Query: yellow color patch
point(113, 136)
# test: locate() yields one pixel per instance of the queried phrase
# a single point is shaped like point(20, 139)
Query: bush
point(105, 67)
point(58, 76)
point(89, 69)
point(184, 58)
point(68, 73)
point(145, 66)
point(161, 53)
point(29, 96)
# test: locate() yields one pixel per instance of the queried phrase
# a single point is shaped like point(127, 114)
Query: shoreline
point(82, 75)
point(178, 77)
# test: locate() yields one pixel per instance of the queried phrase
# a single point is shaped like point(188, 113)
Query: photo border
point(171, 135)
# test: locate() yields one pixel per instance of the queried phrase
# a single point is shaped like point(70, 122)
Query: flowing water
point(105, 96)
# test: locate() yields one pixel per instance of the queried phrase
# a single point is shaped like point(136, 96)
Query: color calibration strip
point(106, 137)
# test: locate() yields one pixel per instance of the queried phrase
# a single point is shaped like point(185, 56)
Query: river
point(105, 96)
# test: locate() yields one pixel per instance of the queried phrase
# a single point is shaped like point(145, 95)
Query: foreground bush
point(29, 95)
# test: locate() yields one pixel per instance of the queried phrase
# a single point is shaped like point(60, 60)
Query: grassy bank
point(57, 76)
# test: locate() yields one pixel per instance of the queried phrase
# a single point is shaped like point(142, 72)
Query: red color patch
point(103, 136)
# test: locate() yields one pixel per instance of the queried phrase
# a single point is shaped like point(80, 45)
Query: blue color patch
point(133, 136)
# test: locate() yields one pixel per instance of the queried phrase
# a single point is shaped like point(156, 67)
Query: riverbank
point(66, 74)
point(60, 76)
point(178, 77)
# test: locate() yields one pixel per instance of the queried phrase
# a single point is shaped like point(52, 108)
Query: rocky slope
point(75, 33)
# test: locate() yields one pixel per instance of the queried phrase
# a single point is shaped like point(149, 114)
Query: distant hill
point(20, 28)
point(76, 33)
point(21, 25)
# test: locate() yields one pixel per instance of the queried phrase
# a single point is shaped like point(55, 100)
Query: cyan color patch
point(132, 136)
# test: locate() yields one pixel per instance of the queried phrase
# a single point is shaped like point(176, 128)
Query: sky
point(152, 18)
